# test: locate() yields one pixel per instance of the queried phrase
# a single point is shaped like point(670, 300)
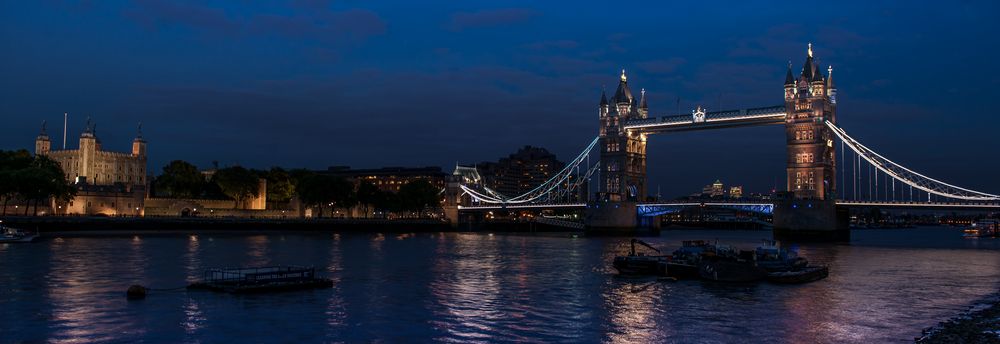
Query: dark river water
point(885, 286)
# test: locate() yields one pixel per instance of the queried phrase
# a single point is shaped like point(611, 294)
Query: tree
point(10, 163)
point(387, 202)
point(238, 183)
point(180, 179)
point(52, 179)
point(318, 190)
point(32, 179)
point(418, 195)
point(367, 195)
point(279, 185)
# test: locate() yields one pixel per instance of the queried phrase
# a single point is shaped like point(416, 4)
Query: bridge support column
point(614, 218)
point(810, 220)
point(451, 213)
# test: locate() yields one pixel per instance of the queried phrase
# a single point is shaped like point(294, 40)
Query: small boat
point(14, 235)
point(773, 258)
point(802, 275)
point(730, 265)
point(261, 279)
point(985, 228)
point(684, 262)
point(638, 263)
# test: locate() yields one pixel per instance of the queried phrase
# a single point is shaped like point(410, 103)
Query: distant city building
point(108, 183)
point(736, 191)
point(467, 175)
point(389, 178)
point(520, 172)
point(714, 190)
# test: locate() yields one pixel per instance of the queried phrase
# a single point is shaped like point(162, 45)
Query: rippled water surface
point(883, 287)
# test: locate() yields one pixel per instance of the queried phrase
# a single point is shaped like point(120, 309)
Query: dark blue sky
point(412, 83)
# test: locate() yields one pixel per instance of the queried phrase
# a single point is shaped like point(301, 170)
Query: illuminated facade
point(90, 164)
point(389, 179)
point(736, 192)
point(623, 152)
point(109, 183)
point(520, 172)
point(810, 101)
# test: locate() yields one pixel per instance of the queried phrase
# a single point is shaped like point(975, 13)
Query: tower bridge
point(814, 203)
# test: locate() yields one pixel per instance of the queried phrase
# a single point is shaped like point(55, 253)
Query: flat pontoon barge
point(261, 279)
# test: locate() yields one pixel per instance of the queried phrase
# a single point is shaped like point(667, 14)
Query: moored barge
point(261, 279)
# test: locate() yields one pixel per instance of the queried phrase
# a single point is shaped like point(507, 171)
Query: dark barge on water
point(261, 279)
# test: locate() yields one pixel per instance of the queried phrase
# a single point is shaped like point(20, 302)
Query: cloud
point(153, 13)
point(563, 44)
point(732, 85)
point(490, 18)
point(776, 41)
point(318, 23)
point(315, 5)
point(402, 117)
point(355, 23)
point(665, 66)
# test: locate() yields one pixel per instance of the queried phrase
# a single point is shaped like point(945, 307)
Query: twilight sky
point(312, 83)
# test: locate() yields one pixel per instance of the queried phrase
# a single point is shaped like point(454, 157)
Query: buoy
point(135, 292)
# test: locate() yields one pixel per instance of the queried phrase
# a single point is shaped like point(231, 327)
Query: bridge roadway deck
point(711, 120)
point(857, 204)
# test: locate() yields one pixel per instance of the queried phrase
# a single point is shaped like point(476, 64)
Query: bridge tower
point(623, 162)
point(809, 205)
point(623, 153)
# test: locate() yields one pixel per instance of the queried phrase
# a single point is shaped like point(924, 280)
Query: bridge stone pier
point(812, 220)
point(611, 217)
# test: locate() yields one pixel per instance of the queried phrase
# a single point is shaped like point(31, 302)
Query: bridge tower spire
point(808, 208)
point(811, 153)
point(623, 152)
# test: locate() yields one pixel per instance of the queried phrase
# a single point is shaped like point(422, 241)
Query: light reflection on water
point(885, 286)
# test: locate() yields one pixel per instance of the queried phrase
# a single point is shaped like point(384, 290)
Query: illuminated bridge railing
point(903, 204)
point(744, 117)
point(521, 206)
point(655, 209)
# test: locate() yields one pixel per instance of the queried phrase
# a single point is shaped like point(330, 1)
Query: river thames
point(885, 286)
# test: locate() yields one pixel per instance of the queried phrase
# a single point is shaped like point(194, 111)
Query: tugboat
point(731, 265)
point(638, 263)
point(14, 235)
point(684, 261)
point(985, 228)
point(785, 266)
point(773, 258)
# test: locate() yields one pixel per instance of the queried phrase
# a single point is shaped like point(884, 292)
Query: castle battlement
point(91, 165)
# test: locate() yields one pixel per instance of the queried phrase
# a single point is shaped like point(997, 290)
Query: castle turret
point(88, 152)
point(139, 144)
point(42, 143)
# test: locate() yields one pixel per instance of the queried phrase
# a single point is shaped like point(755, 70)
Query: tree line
point(31, 179)
point(181, 179)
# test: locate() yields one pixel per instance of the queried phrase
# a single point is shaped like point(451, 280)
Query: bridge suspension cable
point(557, 186)
point(904, 175)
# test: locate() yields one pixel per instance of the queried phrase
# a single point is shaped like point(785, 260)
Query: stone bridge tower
point(623, 153)
point(810, 101)
point(808, 209)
